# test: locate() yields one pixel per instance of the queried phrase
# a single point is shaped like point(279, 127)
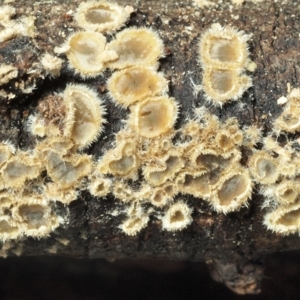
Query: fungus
point(134, 84)
point(285, 219)
point(52, 64)
point(154, 116)
point(177, 217)
point(84, 122)
point(20, 168)
point(68, 171)
point(135, 224)
point(6, 151)
point(160, 196)
point(232, 192)
point(221, 85)
point(224, 47)
point(121, 161)
point(157, 176)
point(136, 46)
point(264, 168)
point(194, 183)
point(8, 229)
point(287, 192)
point(102, 16)
point(99, 186)
point(7, 72)
point(84, 51)
point(36, 220)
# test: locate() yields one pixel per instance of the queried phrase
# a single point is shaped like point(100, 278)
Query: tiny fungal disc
point(154, 116)
point(264, 168)
point(101, 16)
point(177, 217)
point(285, 219)
point(134, 224)
point(224, 47)
point(84, 53)
point(287, 192)
point(134, 84)
point(136, 46)
point(221, 85)
point(86, 113)
point(232, 193)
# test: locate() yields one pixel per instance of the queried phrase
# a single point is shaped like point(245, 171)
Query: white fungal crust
point(154, 116)
point(83, 50)
point(285, 219)
point(136, 46)
point(233, 192)
point(101, 16)
point(177, 217)
point(224, 47)
point(85, 115)
point(135, 84)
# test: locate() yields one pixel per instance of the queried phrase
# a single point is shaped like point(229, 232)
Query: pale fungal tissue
point(224, 56)
point(202, 159)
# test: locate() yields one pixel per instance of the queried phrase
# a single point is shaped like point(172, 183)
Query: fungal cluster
point(151, 165)
point(224, 57)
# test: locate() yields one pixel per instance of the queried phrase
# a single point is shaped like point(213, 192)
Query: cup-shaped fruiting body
point(9, 230)
point(101, 16)
point(84, 120)
point(6, 151)
point(99, 186)
point(161, 195)
point(177, 217)
point(135, 224)
point(136, 46)
point(287, 192)
point(83, 50)
point(134, 84)
point(224, 47)
point(154, 116)
point(222, 85)
point(68, 171)
point(159, 175)
point(233, 192)
point(52, 64)
point(194, 183)
point(264, 168)
point(19, 168)
point(121, 161)
point(36, 219)
point(252, 136)
point(285, 219)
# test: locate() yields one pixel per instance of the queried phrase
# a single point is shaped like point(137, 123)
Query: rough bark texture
point(234, 245)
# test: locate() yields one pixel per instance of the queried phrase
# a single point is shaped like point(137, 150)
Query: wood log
point(235, 244)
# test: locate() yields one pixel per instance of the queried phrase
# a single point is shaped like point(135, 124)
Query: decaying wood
point(233, 245)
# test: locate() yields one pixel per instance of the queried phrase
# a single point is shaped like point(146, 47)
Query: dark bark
point(234, 245)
